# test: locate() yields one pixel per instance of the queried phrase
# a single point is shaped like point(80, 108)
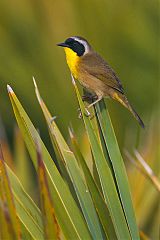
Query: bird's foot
point(86, 113)
point(88, 97)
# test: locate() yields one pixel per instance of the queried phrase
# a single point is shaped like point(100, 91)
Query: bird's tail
point(124, 101)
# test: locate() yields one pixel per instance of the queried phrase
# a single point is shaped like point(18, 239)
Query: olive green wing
point(93, 64)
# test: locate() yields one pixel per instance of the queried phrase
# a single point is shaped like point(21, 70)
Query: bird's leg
point(96, 101)
point(88, 96)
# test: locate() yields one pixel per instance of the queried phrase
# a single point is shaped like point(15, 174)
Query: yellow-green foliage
point(79, 185)
point(78, 197)
point(124, 32)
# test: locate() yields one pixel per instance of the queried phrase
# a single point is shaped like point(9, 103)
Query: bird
point(94, 73)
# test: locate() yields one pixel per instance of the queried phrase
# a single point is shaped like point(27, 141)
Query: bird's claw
point(86, 113)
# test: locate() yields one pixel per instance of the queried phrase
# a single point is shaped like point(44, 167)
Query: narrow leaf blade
point(80, 187)
point(68, 215)
point(51, 227)
point(118, 167)
point(28, 213)
point(6, 197)
point(98, 199)
point(106, 179)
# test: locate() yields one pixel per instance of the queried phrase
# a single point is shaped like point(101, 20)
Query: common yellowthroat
point(94, 73)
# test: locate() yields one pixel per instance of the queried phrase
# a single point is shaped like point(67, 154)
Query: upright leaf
point(7, 230)
point(118, 167)
point(98, 199)
point(51, 227)
point(68, 215)
point(7, 203)
point(22, 167)
point(27, 211)
point(106, 179)
point(80, 187)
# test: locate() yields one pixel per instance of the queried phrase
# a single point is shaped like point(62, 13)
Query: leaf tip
point(9, 89)
point(36, 90)
point(34, 82)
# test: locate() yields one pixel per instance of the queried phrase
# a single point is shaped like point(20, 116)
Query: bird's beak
point(62, 45)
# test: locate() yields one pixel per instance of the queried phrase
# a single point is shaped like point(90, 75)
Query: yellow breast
point(72, 61)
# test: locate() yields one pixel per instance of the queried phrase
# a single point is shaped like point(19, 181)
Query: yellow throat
point(72, 61)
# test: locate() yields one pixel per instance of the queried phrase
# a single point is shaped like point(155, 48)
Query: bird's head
point(78, 45)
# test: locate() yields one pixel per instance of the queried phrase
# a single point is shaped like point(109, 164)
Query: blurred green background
point(124, 32)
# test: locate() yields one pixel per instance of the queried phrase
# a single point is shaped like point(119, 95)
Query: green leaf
point(51, 227)
point(22, 167)
point(97, 197)
point(118, 167)
point(68, 157)
point(7, 231)
point(28, 213)
point(68, 215)
point(106, 179)
point(57, 149)
point(25, 234)
point(8, 211)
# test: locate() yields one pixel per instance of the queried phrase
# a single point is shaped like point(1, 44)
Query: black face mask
point(75, 46)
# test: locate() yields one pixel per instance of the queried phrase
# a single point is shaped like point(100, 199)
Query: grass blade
point(51, 227)
point(8, 230)
point(7, 202)
point(68, 215)
point(25, 234)
point(28, 213)
point(148, 171)
point(22, 167)
point(81, 190)
point(118, 167)
point(107, 182)
point(97, 197)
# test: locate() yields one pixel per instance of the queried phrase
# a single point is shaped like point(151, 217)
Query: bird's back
point(95, 66)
